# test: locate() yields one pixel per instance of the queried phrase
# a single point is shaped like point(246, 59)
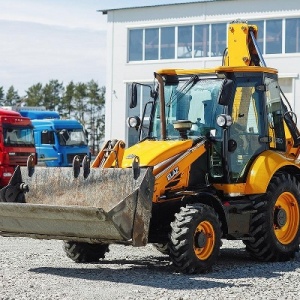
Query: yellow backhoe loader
point(217, 159)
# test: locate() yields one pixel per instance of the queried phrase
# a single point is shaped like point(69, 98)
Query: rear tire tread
point(265, 246)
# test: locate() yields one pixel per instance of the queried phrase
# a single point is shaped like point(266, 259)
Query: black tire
point(85, 252)
point(21, 198)
point(195, 239)
point(276, 224)
point(162, 248)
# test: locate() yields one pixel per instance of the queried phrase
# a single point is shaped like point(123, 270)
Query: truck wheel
point(85, 252)
point(275, 225)
point(162, 248)
point(195, 239)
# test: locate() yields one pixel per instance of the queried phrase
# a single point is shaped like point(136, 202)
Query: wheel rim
point(204, 240)
point(286, 218)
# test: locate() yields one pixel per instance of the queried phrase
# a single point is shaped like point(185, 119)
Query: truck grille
point(19, 159)
point(70, 157)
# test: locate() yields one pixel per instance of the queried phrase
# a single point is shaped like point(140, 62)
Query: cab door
point(47, 152)
point(245, 139)
point(276, 133)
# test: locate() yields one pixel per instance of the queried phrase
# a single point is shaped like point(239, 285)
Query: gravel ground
point(37, 269)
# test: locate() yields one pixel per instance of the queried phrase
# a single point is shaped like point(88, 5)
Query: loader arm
point(111, 154)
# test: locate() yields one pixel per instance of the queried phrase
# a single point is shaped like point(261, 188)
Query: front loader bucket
point(109, 206)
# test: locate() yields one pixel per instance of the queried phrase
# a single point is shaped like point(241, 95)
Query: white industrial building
point(192, 35)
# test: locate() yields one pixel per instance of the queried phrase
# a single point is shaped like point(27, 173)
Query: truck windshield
point(18, 136)
point(72, 137)
point(191, 99)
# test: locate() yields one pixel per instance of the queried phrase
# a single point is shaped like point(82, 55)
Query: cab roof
point(9, 113)
point(221, 69)
point(56, 124)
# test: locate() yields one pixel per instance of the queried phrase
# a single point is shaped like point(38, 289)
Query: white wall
point(119, 72)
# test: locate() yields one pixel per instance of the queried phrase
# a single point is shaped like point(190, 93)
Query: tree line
point(84, 102)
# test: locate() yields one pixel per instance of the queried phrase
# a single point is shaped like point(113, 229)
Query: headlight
point(224, 120)
point(133, 122)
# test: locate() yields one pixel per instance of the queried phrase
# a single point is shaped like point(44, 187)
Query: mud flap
point(108, 206)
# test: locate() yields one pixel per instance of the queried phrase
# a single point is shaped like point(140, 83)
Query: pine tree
point(95, 106)
point(53, 92)
point(80, 102)
point(12, 97)
point(35, 95)
point(65, 107)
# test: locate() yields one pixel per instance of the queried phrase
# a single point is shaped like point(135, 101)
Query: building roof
point(128, 6)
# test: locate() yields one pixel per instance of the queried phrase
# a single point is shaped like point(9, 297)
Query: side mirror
point(133, 99)
point(226, 93)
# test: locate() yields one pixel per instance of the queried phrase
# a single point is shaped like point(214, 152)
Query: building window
point(151, 43)
point(185, 42)
point(260, 35)
point(273, 36)
point(201, 40)
point(218, 39)
point(209, 40)
point(292, 35)
point(136, 44)
point(167, 43)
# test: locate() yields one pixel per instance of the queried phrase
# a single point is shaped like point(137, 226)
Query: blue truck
point(57, 140)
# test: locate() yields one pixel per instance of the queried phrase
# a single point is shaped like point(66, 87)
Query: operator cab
point(239, 112)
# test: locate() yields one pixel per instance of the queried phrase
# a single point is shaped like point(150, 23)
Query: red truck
point(16, 143)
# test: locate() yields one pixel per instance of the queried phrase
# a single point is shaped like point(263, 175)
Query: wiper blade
point(192, 80)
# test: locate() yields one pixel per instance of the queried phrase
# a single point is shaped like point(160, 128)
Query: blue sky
point(65, 40)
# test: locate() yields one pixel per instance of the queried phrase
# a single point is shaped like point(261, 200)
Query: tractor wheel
point(195, 239)
point(85, 252)
point(275, 225)
point(162, 248)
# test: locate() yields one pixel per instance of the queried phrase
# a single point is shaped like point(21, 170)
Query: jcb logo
point(173, 173)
